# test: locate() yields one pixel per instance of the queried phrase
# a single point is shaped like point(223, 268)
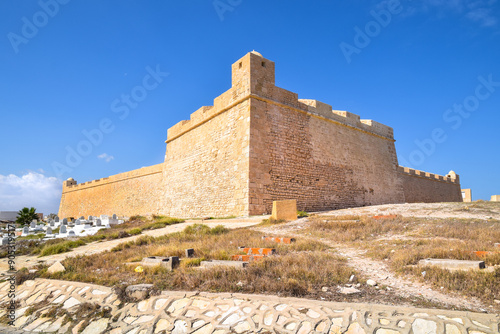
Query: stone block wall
point(325, 161)
point(126, 194)
point(257, 144)
point(206, 167)
point(422, 187)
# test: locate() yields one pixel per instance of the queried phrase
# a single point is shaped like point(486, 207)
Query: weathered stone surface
point(422, 326)
point(217, 263)
point(286, 210)
point(96, 327)
point(138, 291)
point(260, 143)
point(181, 312)
point(453, 264)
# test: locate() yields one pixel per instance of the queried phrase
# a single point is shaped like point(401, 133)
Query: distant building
point(495, 198)
point(9, 216)
point(466, 195)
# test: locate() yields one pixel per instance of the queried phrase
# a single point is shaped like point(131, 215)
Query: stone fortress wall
point(259, 143)
point(129, 193)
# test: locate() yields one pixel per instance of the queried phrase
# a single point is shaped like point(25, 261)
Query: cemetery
point(81, 227)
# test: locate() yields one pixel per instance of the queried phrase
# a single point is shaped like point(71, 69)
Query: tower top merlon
point(254, 71)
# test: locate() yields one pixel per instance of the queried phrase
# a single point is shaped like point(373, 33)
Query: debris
point(371, 282)
point(139, 269)
point(349, 291)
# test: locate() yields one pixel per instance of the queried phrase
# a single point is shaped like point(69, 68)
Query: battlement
point(347, 118)
point(253, 77)
point(72, 185)
point(451, 177)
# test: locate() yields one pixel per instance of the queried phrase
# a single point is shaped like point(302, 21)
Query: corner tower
point(253, 73)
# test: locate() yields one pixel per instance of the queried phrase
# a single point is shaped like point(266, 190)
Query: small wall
point(422, 187)
point(126, 194)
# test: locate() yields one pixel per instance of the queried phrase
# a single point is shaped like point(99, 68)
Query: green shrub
point(219, 229)
point(302, 214)
point(197, 229)
point(134, 231)
point(61, 247)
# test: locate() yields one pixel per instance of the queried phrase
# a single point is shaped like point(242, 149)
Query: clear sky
point(430, 69)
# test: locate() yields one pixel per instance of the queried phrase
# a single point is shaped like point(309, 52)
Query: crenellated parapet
point(253, 77)
point(72, 185)
point(347, 118)
point(451, 177)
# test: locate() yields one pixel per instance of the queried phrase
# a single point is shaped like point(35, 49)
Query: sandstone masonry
point(257, 144)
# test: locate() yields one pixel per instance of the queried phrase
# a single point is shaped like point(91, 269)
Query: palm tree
point(25, 216)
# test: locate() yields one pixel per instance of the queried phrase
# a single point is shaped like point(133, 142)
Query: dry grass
point(296, 270)
point(405, 241)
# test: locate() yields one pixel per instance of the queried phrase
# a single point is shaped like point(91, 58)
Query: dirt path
point(379, 271)
point(98, 247)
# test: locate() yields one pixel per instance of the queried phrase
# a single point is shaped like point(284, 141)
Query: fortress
point(257, 144)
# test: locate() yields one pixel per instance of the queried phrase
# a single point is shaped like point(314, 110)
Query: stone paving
point(192, 312)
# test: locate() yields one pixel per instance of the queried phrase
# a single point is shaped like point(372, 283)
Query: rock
point(496, 301)
point(56, 268)
point(421, 326)
point(139, 291)
point(349, 291)
point(371, 282)
point(324, 289)
point(96, 327)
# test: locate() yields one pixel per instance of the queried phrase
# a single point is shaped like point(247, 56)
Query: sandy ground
point(477, 210)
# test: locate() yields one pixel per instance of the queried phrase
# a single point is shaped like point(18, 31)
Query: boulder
point(138, 291)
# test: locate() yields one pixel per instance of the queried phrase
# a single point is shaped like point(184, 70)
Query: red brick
point(280, 240)
point(259, 251)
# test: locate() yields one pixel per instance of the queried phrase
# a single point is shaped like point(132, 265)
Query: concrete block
point(168, 262)
point(216, 263)
point(286, 210)
point(246, 258)
point(189, 252)
point(453, 264)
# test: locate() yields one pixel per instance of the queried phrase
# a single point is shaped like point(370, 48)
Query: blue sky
point(430, 69)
